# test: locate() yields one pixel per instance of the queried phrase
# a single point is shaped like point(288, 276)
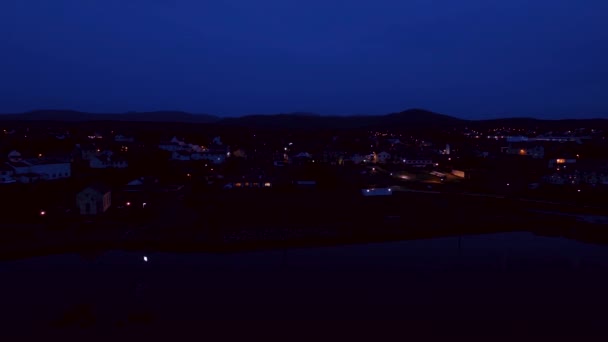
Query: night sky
point(467, 58)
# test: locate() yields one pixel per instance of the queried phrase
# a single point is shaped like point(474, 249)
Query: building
point(377, 192)
point(561, 162)
point(124, 139)
point(107, 161)
point(94, 200)
point(7, 175)
point(179, 145)
point(383, 157)
point(418, 162)
point(14, 157)
point(358, 159)
point(27, 171)
point(536, 152)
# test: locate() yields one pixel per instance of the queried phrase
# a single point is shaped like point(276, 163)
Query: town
point(113, 184)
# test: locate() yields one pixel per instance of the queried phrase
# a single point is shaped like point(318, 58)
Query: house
point(418, 162)
point(94, 200)
point(536, 152)
point(28, 178)
point(181, 155)
point(249, 182)
point(85, 151)
point(301, 158)
point(15, 157)
point(50, 169)
point(377, 192)
point(252, 178)
point(217, 141)
point(107, 161)
point(123, 139)
point(7, 175)
point(174, 145)
point(179, 145)
point(383, 157)
point(216, 156)
point(40, 169)
point(358, 158)
point(561, 162)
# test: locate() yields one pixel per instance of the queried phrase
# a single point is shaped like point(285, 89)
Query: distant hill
point(409, 119)
point(75, 116)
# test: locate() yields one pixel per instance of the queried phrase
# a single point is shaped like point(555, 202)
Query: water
point(512, 282)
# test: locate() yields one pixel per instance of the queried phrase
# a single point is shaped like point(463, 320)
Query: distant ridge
point(75, 116)
point(407, 119)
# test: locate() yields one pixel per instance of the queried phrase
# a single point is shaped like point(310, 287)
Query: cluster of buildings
point(19, 170)
point(182, 151)
point(556, 154)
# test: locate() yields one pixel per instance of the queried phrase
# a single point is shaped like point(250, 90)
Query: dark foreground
point(245, 222)
point(501, 285)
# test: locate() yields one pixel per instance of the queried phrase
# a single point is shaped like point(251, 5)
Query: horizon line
point(305, 113)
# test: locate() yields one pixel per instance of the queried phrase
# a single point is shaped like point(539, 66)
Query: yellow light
point(522, 151)
point(267, 185)
point(561, 161)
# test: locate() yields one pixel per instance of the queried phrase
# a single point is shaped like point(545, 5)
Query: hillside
point(411, 119)
point(75, 116)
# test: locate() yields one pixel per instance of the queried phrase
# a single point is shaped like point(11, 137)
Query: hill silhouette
point(407, 119)
point(75, 116)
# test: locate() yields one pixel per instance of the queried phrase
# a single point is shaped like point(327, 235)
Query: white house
point(40, 169)
point(51, 169)
point(94, 200)
point(107, 162)
point(174, 145)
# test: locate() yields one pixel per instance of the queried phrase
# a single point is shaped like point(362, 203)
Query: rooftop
point(18, 164)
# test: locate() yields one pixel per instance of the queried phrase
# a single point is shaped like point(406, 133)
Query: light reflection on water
point(414, 278)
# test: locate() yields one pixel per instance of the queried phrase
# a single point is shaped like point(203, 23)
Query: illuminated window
point(268, 185)
point(561, 161)
point(238, 185)
point(247, 184)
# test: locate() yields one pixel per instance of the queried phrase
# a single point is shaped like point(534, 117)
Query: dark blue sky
point(468, 58)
